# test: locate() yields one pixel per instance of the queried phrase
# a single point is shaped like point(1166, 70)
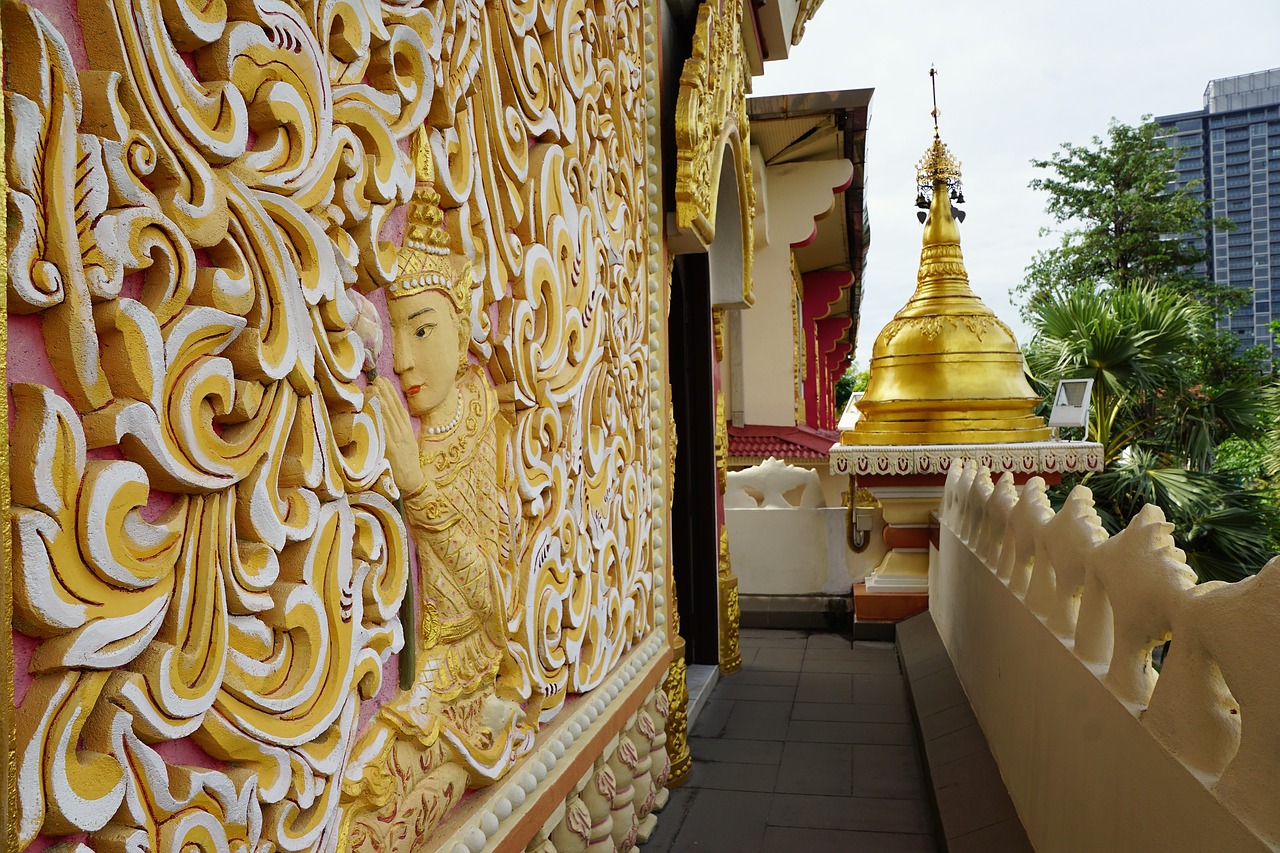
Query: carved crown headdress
point(426, 261)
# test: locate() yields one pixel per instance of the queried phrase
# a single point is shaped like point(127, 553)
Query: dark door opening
point(694, 531)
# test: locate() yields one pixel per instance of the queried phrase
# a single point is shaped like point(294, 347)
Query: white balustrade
point(1107, 602)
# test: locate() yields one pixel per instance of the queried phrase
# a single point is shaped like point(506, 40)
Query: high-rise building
point(1232, 145)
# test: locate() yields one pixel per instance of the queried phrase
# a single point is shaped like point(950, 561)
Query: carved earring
point(464, 339)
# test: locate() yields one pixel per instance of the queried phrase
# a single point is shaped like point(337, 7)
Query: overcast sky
point(1016, 78)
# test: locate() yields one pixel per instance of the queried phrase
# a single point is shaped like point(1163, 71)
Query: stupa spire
point(945, 370)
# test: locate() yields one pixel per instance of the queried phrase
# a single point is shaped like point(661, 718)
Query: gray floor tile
point(755, 692)
point(729, 776)
point(886, 771)
point(772, 634)
point(936, 662)
point(763, 675)
point(786, 838)
point(736, 751)
point(850, 713)
point(824, 687)
point(826, 731)
point(966, 805)
point(975, 765)
point(778, 659)
point(787, 645)
point(815, 735)
point(816, 768)
point(938, 692)
point(759, 721)
point(824, 653)
point(707, 826)
point(849, 813)
point(877, 689)
point(852, 665)
point(670, 819)
point(856, 652)
point(830, 641)
point(711, 720)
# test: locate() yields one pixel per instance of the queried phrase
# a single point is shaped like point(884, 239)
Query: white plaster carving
point(996, 516)
point(773, 480)
point(976, 505)
point(1062, 547)
point(1018, 551)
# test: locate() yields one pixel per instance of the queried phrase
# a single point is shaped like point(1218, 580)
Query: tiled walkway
point(808, 748)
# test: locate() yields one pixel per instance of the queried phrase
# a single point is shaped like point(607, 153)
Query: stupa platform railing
point(1028, 458)
point(1051, 625)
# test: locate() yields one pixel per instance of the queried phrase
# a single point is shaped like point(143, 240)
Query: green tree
point(854, 379)
point(1160, 425)
point(1130, 344)
point(1123, 222)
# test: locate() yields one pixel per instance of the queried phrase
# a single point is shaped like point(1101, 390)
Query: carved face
point(426, 348)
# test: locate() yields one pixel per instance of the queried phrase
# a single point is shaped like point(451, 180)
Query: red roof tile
point(797, 442)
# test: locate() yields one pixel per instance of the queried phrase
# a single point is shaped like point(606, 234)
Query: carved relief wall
point(208, 560)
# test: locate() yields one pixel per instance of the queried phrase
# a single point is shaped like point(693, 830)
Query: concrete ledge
point(700, 680)
point(972, 807)
point(796, 612)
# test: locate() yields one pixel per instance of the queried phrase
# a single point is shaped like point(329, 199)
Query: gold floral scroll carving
point(676, 686)
point(8, 748)
point(730, 611)
point(804, 13)
point(542, 176)
point(711, 114)
point(730, 615)
point(191, 217)
point(206, 560)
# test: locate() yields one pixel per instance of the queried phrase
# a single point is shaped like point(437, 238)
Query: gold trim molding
point(711, 113)
point(8, 735)
point(808, 8)
point(730, 611)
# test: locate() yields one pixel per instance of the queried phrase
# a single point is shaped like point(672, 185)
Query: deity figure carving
point(460, 723)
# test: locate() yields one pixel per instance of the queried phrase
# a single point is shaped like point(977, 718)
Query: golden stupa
point(945, 370)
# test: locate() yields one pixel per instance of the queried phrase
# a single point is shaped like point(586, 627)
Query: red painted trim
point(906, 537)
point(845, 185)
point(822, 290)
point(813, 235)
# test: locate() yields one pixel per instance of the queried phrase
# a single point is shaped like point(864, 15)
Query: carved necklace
point(457, 416)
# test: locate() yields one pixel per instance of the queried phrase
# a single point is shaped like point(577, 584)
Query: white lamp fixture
point(1071, 405)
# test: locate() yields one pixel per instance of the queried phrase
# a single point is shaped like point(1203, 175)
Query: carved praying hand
point(402, 444)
